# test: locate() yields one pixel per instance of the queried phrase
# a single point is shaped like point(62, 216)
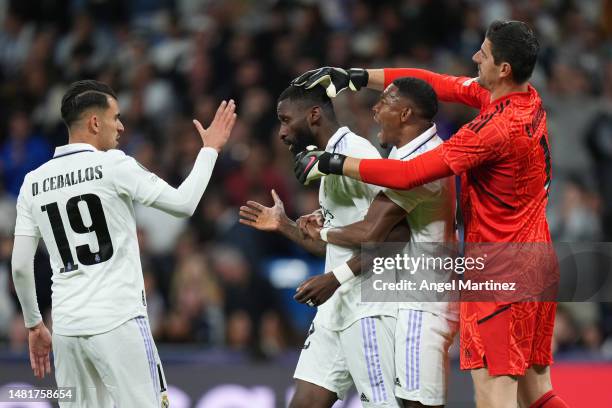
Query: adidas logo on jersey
point(364, 398)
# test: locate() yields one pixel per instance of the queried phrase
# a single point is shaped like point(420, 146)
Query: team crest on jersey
point(165, 402)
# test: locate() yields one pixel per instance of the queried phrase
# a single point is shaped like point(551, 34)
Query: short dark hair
point(316, 96)
point(421, 94)
point(83, 95)
point(514, 42)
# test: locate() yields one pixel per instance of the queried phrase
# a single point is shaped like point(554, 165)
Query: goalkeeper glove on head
point(334, 80)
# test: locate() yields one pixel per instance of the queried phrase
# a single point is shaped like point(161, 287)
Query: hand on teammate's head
point(333, 79)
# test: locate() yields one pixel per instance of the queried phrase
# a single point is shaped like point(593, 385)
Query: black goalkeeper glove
point(334, 80)
point(313, 164)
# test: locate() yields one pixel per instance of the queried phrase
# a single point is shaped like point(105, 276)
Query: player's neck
point(506, 88)
point(79, 138)
point(326, 131)
point(409, 133)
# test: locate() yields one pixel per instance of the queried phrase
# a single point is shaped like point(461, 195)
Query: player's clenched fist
point(310, 221)
point(334, 80)
point(316, 290)
point(218, 132)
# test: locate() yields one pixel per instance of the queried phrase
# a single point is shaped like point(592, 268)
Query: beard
point(303, 138)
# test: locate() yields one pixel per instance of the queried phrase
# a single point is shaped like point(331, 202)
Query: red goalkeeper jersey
point(502, 156)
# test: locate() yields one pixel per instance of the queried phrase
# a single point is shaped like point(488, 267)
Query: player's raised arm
point(218, 132)
point(140, 185)
point(274, 219)
point(449, 88)
point(402, 175)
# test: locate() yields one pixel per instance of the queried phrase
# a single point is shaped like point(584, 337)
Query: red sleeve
point(468, 149)
point(405, 175)
point(448, 88)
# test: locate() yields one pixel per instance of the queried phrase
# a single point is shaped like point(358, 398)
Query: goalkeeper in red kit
point(503, 159)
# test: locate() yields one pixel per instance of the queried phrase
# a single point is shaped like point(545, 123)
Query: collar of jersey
point(340, 133)
point(518, 97)
point(73, 148)
point(415, 144)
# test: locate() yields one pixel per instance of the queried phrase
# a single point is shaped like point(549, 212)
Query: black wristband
point(359, 77)
point(331, 163)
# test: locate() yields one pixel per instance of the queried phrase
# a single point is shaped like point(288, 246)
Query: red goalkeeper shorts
point(508, 338)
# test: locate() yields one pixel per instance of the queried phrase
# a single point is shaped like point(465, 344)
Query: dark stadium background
point(219, 293)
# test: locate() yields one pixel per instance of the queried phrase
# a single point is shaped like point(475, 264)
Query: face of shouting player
point(489, 74)
point(294, 130)
point(389, 112)
point(108, 126)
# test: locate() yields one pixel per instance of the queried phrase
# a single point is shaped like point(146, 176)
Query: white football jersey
point(345, 201)
point(430, 214)
point(80, 203)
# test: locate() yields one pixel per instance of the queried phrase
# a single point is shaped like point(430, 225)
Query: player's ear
point(314, 116)
point(505, 70)
point(93, 123)
point(405, 114)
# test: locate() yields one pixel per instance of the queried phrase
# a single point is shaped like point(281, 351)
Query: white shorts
point(118, 368)
point(362, 354)
point(422, 340)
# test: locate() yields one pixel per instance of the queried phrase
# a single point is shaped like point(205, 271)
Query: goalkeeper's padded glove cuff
point(331, 163)
point(359, 77)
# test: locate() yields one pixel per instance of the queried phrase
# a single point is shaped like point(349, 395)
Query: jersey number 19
point(98, 226)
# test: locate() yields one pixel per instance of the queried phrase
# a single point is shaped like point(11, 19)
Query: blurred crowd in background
point(211, 281)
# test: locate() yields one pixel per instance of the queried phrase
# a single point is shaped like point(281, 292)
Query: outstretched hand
point(220, 128)
point(263, 218)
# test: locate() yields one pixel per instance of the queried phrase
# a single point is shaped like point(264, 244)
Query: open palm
point(261, 217)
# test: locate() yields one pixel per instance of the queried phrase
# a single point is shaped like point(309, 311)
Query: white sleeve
point(141, 185)
point(25, 223)
point(22, 263)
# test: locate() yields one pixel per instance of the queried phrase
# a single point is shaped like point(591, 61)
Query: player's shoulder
point(115, 154)
point(358, 146)
point(497, 117)
point(115, 157)
point(40, 171)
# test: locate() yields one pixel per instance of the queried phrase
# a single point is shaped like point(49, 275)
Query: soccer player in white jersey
point(349, 342)
point(80, 203)
point(425, 329)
